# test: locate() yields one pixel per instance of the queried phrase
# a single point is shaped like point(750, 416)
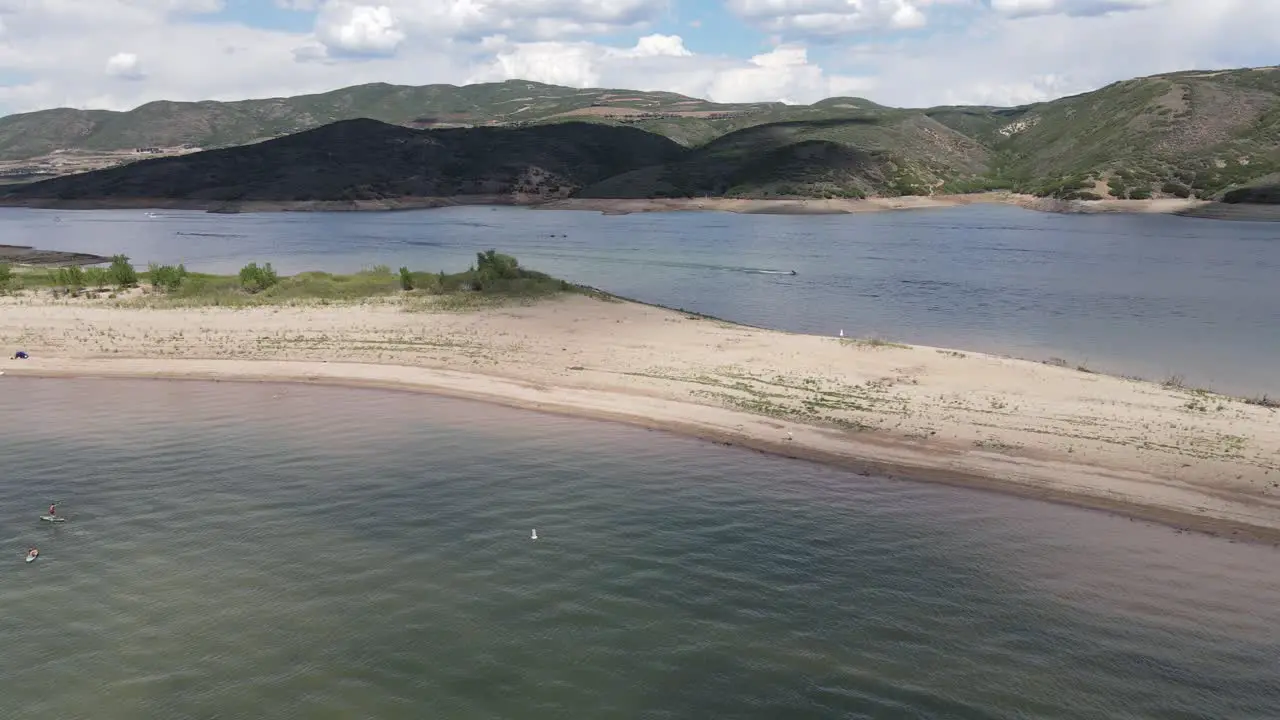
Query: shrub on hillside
point(1176, 189)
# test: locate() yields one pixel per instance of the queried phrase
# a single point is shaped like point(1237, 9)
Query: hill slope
point(1180, 134)
point(1201, 132)
point(210, 124)
point(370, 160)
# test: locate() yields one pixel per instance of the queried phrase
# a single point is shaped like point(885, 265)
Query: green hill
point(1208, 134)
point(222, 124)
point(370, 160)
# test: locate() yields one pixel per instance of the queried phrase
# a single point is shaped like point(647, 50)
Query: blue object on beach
point(21, 355)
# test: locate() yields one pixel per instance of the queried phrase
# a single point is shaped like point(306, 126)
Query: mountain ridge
point(1204, 134)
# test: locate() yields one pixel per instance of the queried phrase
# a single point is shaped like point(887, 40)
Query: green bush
point(255, 279)
point(1140, 193)
point(6, 275)
point(166, 277)
point(71, 278)
point(96, 278)
point(1176, 189)
point(493, 265)
point(406, 279)
point(121, 272)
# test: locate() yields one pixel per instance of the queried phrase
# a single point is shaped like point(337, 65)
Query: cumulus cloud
point(125, 65)
point(470, 20)
point(662, 62)
point(346, 29)
point(1075, 8)
point(977, 51)
point(835, 17)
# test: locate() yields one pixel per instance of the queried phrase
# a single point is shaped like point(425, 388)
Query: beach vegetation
point(96, 278)
point(6, 276)
point(255, 278)
point(166, 278)
point(70, 278)
point(121, 272)
point(493, 280)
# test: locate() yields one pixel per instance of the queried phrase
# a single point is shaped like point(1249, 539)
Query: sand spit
point(1183, 457)
point(785, 206)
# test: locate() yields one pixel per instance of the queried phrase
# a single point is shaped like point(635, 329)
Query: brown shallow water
point(280, 551)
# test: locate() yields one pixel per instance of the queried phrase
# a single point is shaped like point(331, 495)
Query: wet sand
point(1179, 456)
point(789, 206)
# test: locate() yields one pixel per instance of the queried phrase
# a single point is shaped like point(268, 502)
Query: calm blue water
point(247, 551)
point(1145, 294)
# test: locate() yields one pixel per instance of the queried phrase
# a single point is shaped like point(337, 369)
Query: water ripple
point(348, 554)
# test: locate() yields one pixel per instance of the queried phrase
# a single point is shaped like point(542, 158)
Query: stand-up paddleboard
point(31, 556)
point(53, 518)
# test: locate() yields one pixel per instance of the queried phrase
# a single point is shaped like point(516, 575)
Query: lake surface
point(1150, 295)
point(240, 550)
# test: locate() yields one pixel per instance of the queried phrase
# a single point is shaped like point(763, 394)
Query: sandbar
point(609, 206)
point(1179, 456)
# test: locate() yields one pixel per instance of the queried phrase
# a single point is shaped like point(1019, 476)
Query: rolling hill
point(369, 160)
point(1207, 134)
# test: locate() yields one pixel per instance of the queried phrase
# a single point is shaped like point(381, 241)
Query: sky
point(118, 54)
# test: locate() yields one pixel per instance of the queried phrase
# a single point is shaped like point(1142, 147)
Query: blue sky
point(117, 54)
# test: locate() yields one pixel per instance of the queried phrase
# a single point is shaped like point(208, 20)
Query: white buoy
point(842, 332)
point(535, 535)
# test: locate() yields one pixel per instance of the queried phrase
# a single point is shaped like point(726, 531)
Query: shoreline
point(1183, 458)
point(1202, 209)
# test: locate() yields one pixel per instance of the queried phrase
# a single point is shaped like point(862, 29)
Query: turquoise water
point(241, 551)
point(1150, 295)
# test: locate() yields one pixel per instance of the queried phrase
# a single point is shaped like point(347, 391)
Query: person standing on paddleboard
point(53, 509)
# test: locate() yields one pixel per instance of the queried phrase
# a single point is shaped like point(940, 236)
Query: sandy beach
point(1179, 456)
point(784, 206)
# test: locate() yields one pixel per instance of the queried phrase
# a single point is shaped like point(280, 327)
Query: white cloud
point(835, 17)
point(518, 19)
point(662, 62)
point(347, 29)
point(125, 65)
point(1079, 8)
point(973, 53)
point(656, 46)
point(1005, 62)
point(782, 75)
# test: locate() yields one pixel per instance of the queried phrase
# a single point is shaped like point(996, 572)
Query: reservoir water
point(253, 550)
point(1150, 295)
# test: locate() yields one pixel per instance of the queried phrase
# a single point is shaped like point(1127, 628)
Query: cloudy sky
point(118, 54)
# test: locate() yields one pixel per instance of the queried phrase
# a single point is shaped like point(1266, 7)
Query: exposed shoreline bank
point(797, 206)
point(1175, 456)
